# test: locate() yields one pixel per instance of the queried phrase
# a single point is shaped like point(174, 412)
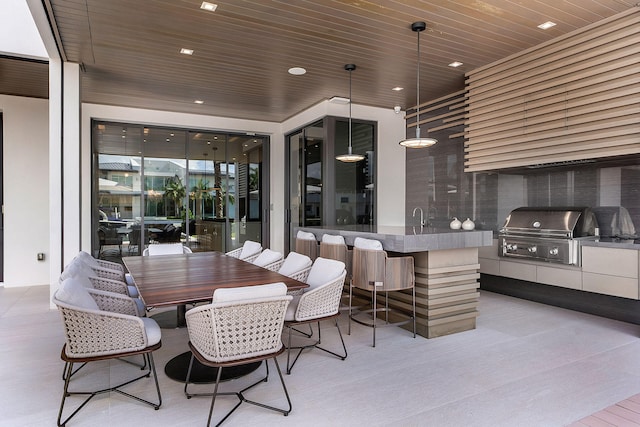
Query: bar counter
point(446, 268)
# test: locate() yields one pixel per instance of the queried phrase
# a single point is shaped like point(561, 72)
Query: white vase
point(455, 224)
point(468, 224)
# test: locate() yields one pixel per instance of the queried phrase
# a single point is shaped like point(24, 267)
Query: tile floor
point(526, 364)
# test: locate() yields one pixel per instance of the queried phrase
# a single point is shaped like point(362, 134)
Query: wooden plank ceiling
point(130, 49)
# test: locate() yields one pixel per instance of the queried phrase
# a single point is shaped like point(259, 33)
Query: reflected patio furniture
point(320, 301)
point(375, 272)
point(222, 344)
point(108, 236)
point(103, 326)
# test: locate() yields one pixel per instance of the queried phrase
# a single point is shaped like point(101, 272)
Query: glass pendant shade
point(350, 157)
point(418, 142)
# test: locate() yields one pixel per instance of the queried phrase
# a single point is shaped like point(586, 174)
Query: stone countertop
point(611, 242)
point(408, 239)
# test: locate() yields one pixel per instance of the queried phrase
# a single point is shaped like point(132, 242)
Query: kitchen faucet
point(421, 215)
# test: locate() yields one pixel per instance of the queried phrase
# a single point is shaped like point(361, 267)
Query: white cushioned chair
point(217, 340)
point(249, 251)
point(100, 326)
point(296, 266)
point(81, 270)
point(166, 249)
point(109, 270)
point(375, 272)
point(271, 260)
point(320, 301)
point(334, 247)
point(306, 244)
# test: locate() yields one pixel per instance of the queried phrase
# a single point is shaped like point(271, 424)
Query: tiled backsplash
point(436, 183)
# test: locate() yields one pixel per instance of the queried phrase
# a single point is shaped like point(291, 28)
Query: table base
point(171, 319)
point(177, 368)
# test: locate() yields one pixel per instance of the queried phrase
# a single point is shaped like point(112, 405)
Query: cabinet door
point(611, 261)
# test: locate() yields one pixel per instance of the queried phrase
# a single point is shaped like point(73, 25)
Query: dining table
point(180, 279)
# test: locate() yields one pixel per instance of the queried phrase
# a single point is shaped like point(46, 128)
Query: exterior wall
point(26, 190)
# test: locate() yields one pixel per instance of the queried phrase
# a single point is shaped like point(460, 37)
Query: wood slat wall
point(574, 98)
point(444, 113)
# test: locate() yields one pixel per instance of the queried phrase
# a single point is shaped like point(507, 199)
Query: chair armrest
point(274, 266)
point(108, 274)
point(109, 285)
point(321, 301)
point(234, 253)
point(110, 265)
point(114, 303)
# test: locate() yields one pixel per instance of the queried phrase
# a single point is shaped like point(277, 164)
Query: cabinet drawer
point(559, 277)
point(617, 262)
point(610, 285)
point(518, 270)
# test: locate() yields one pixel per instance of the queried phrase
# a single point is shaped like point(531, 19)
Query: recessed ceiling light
point(198, 101)
point(455, 64)
point(297, 71)
point(398, 88)
point(185, 51)
point(211, 7)
point(546, 25)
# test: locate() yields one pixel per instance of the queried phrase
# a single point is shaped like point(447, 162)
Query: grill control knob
point(553, 251)
point(512, 247)
point(532, 249)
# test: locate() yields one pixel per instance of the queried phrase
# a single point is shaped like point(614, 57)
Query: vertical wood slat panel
point(571, 99)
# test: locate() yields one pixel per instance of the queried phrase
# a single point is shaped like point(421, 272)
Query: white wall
point(26, 190)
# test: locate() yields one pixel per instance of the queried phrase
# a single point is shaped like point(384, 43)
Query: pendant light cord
point(350, 111)
point(418, 92)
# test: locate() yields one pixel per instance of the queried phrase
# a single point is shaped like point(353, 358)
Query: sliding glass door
point(160, 185)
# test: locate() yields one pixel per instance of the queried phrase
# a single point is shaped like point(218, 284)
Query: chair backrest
point(334, 247)
point(213, 328)
point(250, 248)
point(333, 239)
point(362, 243)
point(370, 266)
point(73, 293)
point(324, 270)
point(267, 257)
point(307, 244)
point(87, 258)
point(79, 270)
point(166, 249)
point(294, 263)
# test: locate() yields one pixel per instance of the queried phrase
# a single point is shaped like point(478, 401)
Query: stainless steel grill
point(549, 234)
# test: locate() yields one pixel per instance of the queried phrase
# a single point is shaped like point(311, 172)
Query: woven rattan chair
point(271, 260)
point(296, 266)
point(248, 252)
point(241, 325)
point(320, 301)
point(81, 270)
point(373, 271)
point(102, 326)
point(307, 244)
point(108, 270)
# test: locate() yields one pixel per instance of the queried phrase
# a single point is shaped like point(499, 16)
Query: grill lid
point(559, 222)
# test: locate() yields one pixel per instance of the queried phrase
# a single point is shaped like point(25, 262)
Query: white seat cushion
point(86, 257)
point(249, 292)
point(73, 292)
point(166, 249)
point(267, 257)
point(294, 263)
point(250, 248)
point(133, 291)
point(305, 235)
point(79, 270)
point(324, 270)
point(152, 329)
point(333, 239)
point(370, 244)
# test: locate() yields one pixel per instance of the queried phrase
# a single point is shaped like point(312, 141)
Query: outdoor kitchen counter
point(613, 243)
point(446, 269)
point(409, 239)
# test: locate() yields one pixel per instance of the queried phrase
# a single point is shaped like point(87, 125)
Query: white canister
point(468, 224)
point(455, 224)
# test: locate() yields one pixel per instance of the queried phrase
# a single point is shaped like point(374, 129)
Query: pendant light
point(350, 157)
point(418, 142)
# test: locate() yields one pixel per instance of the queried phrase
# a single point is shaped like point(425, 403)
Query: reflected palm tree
point(174, 190)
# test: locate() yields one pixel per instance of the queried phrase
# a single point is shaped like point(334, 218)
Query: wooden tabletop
point(179, 279)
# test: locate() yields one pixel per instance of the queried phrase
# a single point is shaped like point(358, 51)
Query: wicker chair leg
point(315, 344)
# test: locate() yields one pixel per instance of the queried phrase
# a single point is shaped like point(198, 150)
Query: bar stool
point(307, 244)
point(375, 272)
